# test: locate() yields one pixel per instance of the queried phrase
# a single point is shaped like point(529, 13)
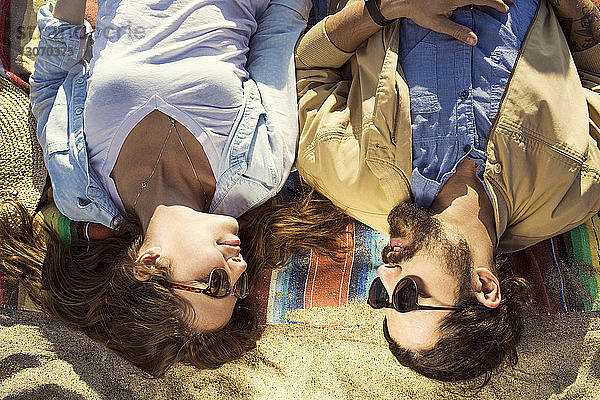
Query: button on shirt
point(455, 89)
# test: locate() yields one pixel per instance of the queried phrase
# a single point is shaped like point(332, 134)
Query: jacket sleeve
point(271, 66)
point(321, 80)
point(318, 60)
point(574, 15)
point(61, 47)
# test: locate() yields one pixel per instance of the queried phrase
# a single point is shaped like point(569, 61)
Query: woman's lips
point(232, 242)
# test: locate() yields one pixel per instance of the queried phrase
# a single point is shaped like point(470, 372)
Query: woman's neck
point(155, 167)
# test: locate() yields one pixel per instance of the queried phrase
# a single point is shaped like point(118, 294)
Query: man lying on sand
point(469, 121)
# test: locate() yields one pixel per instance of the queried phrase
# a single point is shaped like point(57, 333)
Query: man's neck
point(464, 206)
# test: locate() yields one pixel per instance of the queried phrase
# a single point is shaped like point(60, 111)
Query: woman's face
point(194, 244)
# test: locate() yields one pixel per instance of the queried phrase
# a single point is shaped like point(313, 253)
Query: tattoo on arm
point(580, 21)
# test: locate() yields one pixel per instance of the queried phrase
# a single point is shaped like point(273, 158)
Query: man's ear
point(487, 287)
point(148, 258)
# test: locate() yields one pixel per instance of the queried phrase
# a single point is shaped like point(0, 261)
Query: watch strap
point(375, 13)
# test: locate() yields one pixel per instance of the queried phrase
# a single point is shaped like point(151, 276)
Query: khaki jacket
point(543, 156)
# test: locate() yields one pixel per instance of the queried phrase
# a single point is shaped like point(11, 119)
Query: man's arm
point(71, 11)
point(352, 25)
point(580, 21)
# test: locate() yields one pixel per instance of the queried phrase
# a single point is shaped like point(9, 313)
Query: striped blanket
point(564, 272)
point(309, 281)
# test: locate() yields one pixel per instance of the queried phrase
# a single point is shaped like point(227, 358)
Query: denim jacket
point(259, 153)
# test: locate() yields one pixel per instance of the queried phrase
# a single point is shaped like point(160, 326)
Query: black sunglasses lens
point(241, 286)
point(218, 282)
point(405, 295)
point(378, 296)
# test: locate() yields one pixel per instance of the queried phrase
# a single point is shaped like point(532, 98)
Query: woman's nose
point(237, 265)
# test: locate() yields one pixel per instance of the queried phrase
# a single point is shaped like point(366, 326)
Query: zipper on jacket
point(512, 72)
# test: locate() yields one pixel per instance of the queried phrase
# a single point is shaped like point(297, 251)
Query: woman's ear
point(148, 258)
point(487, 287)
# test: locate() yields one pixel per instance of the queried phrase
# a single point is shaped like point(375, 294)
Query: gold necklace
point(144, 183)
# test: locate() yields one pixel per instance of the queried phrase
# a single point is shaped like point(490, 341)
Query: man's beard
point(420, 231)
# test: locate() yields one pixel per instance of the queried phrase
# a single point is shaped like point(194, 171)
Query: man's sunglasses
point(218, 285)
point(404, 298)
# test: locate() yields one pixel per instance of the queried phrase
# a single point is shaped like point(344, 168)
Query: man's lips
point(397, 242)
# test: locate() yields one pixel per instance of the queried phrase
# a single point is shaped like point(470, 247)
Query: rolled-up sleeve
point(61, 47)
point(316, 50)
point(271, 66)
point(588, 60)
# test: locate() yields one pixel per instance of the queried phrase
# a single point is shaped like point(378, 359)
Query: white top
point(186, 58)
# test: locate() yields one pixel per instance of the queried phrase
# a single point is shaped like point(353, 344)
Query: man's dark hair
point(476, 339)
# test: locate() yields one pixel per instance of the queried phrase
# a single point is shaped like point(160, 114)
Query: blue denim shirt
point(455, 89)
point(259, 153)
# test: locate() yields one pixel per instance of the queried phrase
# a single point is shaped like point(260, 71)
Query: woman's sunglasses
point(218, 285)
point(404, 298)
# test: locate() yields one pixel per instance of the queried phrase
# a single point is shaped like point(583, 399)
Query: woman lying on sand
point(178, 117)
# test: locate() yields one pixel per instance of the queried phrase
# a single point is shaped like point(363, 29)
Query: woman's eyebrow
point(201, 279)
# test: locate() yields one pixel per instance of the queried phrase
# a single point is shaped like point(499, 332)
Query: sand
point(42, 359)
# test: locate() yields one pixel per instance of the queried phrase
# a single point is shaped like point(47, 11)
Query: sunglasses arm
point(420, 307)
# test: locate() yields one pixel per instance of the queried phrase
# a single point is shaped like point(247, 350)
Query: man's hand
point(352, 25)
point(435, 14)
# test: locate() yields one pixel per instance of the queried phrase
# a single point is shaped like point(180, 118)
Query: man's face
point(440, 265)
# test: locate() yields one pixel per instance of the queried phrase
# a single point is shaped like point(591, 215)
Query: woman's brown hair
point(90, 286)
point(307, 222)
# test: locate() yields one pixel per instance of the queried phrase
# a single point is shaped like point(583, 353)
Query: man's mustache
point(396, 255)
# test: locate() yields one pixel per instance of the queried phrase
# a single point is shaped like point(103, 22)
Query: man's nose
point(389, 274)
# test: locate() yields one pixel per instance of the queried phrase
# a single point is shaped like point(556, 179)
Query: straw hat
point(22, 171)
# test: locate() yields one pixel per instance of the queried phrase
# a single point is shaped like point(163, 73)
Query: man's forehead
point(416, 330)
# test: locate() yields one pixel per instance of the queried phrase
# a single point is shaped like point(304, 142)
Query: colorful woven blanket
point(564, 272)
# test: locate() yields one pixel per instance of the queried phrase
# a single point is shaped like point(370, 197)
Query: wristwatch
point(375, 13)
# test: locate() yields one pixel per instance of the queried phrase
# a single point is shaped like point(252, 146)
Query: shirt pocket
point(420, 70)
point(55, 137)
point(61, 53)
point(502, 63)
